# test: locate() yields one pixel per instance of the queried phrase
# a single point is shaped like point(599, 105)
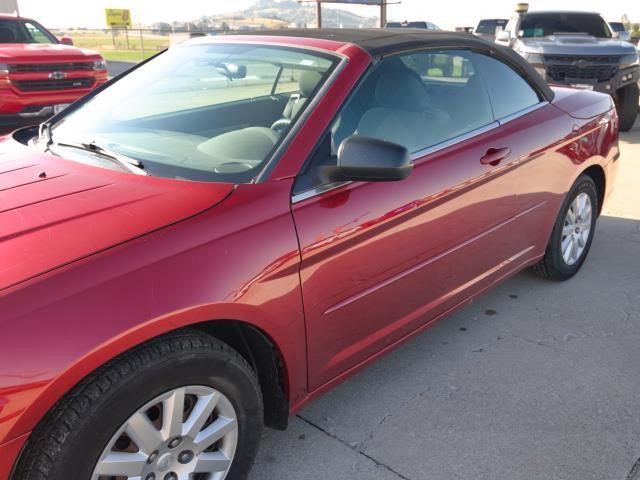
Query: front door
point(382, 259)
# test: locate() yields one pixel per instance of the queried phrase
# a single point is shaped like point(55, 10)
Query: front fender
point(238, 261)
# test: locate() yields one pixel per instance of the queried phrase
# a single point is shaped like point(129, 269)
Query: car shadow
point(633, 135)
point(536, 379)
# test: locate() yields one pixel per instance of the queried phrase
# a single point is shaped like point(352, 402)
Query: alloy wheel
point(188, 433)
point(576, 229)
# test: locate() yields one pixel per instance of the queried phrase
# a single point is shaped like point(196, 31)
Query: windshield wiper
point(129, 163)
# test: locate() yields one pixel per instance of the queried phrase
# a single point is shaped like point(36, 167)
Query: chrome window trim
point(291, 134)
point(298, 197)
point(522, 112)
point(452, 141)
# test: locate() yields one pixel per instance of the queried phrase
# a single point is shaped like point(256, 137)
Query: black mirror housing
point(368, 159)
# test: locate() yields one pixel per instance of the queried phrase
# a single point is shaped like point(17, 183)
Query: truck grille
point(567, 68)
point(66, 84)
point(49, 67)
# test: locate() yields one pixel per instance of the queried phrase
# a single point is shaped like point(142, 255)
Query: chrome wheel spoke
point(574, 251)
point(566, 244)
point(143, 433)
point(173, 409)
point(200, 413)
point(209, 462)
point(121, 464)
point(581, 240)
point(214, 432)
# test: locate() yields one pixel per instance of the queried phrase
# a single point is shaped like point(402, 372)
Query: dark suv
point(578, 49)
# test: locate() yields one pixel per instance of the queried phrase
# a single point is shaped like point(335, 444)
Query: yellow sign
point(118, 17)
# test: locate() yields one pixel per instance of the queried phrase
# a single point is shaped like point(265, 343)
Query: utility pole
point(319, 13)
point(383, 14)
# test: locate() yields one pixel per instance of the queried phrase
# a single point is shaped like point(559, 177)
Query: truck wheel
point(181, 406)
point(628, 106)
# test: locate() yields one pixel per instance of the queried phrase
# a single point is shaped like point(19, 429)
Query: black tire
point(628, 98)
point(552, 266)
point(68, 442)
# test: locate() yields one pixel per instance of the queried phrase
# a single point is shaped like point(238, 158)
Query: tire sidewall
point(628, 107)
point(205, 367)
point(584, 184)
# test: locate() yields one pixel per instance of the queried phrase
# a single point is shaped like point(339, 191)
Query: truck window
point(545, 24)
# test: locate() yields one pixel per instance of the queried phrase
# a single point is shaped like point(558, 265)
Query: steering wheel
point(279, 126)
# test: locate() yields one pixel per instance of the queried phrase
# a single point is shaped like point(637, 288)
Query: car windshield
point(23, 31)
point(200, 111)
point(545, 24)
point(489, 26)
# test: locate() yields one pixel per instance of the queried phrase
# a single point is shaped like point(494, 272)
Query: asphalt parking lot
point(535, 380)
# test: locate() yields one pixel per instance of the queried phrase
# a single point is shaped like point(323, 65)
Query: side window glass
point(37, 36)
point(508, 91)
point(289, 81)
point(416, 100)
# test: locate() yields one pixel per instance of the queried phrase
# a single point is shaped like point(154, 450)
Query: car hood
point(54, 211)
point(574, 45)
point(25, 52)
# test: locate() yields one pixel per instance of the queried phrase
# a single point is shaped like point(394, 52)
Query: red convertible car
point(198, 248)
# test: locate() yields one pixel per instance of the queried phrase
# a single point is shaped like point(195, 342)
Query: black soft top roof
point(387, 41)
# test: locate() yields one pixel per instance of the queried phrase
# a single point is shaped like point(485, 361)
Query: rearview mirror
point(369, 159)
point(66, 40)
point(237, 71)
point(503, 36)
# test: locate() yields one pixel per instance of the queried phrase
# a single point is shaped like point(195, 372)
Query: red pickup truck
point(41, 74)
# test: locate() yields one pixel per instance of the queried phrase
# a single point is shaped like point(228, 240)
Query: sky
point(90, 13)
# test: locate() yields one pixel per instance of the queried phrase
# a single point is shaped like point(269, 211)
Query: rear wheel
point(572, 233)
point(183, 407)
point(628, 106)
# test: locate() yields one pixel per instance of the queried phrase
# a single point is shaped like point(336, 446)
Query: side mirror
point(66, 40)
point(503, 36)
point(615, 34)
point(367, 159)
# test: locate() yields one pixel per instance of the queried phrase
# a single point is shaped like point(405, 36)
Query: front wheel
point(628, 106)
point(572, 233)
point(182, 407)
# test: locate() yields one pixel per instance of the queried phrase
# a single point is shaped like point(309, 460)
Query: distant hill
point(272, 14)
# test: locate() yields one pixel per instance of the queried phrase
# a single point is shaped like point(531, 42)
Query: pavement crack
point(371, 434)
point(355, 449)
point(634, 473)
